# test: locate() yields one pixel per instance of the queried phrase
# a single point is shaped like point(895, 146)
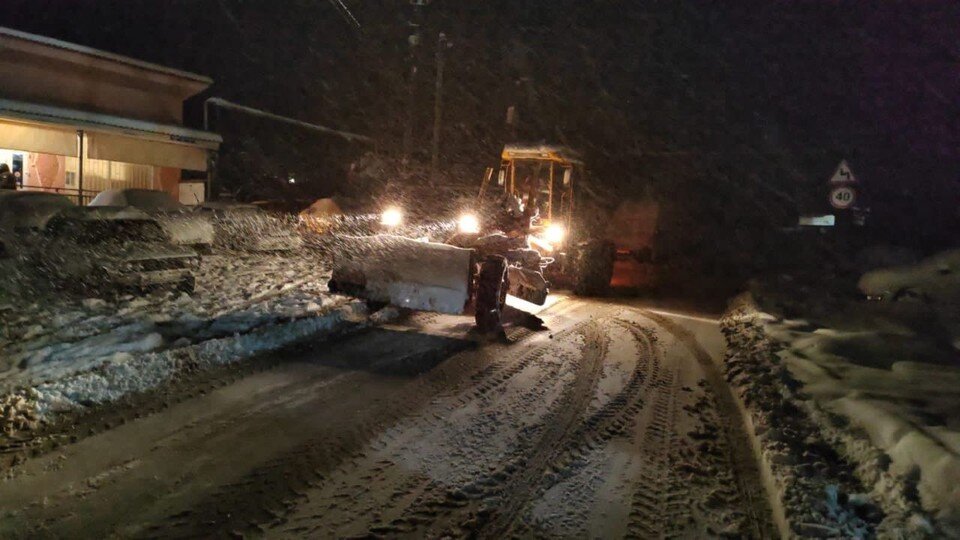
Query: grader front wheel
point(491, 293)
point(593, 267)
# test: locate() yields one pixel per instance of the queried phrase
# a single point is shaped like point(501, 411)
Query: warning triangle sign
point(843, 174)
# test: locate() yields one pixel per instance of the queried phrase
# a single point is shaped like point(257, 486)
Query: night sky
point(747, 106)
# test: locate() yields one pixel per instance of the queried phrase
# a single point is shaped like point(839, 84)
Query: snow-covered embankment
point(66, 355)
point(832, 479)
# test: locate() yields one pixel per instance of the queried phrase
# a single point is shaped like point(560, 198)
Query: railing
point(81, 197)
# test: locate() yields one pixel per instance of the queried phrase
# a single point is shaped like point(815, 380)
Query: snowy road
point(613, 422)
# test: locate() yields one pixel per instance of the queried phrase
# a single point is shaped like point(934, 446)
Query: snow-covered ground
point(51, 336)
point(65, 350)
point(879, 381)
point(62, 352)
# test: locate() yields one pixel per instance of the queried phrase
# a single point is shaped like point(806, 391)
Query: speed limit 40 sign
point(842, 197)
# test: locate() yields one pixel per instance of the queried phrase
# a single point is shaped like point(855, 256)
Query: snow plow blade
point(404, 272)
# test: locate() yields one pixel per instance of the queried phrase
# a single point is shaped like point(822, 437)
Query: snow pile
point(48, 337)
point(935, 279)
point(818, 498)
point(822, 430)
point(18, 413)
point(125, 374)
point(891, 401)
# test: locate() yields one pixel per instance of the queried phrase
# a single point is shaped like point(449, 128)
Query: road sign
point(843, 197)
point(828, 220)
point(843, 174)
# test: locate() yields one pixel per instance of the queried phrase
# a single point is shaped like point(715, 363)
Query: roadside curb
point(774, 492)
point(894, 493)
point(807, 488)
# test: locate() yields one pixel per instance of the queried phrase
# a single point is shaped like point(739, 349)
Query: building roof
point(97, 53)
point(47, 114)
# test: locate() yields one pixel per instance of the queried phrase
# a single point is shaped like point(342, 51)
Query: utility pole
point(413, 41)
point(511, 123)
point(80, 152)
point(442, 43)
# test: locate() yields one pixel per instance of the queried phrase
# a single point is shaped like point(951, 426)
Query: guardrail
point(81, 197)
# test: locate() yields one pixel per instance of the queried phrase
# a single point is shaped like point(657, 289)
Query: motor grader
point(518, 238)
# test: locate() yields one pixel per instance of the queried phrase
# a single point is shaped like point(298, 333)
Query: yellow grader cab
point(542, 178)
point(518, 238)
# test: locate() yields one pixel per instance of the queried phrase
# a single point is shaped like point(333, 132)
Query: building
point(77, 120)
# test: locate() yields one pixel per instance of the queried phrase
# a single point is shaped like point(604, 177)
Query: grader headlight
point(391, 217)
point(468, 224)
point(555, 234)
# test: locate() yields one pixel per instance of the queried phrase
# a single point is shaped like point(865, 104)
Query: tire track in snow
point(274, 488)
point(612, 420)
point(560, 426)
point(442, 508)
point(737, 448)
point(671, 465)
point(652, 514)
point(416, 498)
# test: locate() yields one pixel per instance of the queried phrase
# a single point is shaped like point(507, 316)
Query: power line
point(345, 12)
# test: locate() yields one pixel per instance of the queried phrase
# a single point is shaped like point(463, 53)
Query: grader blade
point(404, 272)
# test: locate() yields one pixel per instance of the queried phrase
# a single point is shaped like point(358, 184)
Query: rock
point(93, 304)
point(33, 331)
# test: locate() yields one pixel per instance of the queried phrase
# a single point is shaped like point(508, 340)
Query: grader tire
point(491, 293)
point(594, 268)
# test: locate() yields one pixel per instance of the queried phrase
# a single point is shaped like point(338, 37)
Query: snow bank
point(936, 279)
point(61, 352)
point(899, 393)
point(48, 337)
point(874, 415)
point(125, 374)
point(815, 498)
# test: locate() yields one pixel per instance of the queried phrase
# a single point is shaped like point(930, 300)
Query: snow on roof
point(138, 197)
point(97, 53)
point(29, 208)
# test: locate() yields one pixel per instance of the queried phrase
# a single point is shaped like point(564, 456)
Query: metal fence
point(81, 197)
